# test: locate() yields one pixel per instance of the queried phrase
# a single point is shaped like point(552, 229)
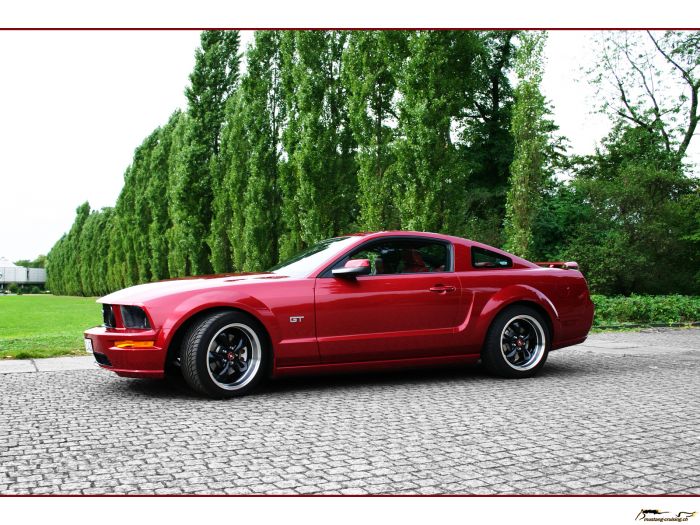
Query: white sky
point(74, 105)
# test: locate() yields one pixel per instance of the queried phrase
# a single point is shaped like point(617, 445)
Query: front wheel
point(224, 354)
point(517, 343)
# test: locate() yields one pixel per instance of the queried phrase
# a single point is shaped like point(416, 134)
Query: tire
point(224, 355)
point(517, 343)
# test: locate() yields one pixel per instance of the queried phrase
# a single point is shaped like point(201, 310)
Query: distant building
point(11, 273)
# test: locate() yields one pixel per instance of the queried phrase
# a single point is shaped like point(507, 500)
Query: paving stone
point(597, 420)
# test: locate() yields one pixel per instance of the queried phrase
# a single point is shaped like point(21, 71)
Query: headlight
point(134, 317)
point(108, 316)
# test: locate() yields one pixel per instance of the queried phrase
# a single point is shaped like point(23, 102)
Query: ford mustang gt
point(357, 302)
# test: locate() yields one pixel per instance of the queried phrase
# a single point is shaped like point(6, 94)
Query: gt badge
point(296, 319)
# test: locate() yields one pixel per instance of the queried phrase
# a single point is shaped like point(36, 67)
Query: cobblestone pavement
point(616, 415)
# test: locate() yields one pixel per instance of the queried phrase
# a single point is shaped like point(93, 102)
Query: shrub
point(646, 309)
point(13, 288)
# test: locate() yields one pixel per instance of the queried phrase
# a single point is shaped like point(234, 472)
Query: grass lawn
point(45, 325)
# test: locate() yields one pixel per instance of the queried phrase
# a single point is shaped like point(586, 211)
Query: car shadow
point(153, 388)
point(554, 369)
point(436, 374)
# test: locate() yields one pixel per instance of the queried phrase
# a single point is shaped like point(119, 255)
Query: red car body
point(318, 322)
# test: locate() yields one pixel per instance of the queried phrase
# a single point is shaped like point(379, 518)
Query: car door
point(406, 308)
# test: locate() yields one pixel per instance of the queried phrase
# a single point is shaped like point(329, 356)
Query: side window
point(482, 258)
point(398, 256)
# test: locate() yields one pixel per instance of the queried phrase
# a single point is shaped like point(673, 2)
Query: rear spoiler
point(569, 265)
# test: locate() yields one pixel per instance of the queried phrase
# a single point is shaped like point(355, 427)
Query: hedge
point(646, 309)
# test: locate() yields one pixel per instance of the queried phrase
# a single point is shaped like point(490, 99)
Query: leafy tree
point(245, 229)
point(436, 85)
point(290, 239)
point(176, 235)
point(632, 237)
point(39, 262)
point(116, 268)
point(125, 246)
point(218, 241)
point(330, 131)
point(100, 253)
point(141, 215)
point(372, 63)
point(211, 83)
point(64, 259)
point(93, 253)
point(322, 162)
point(651, 80)
point(529, 128)
point(487, 138)
point(55, 269)
point(156, 197)
point(642, 202)
point(73, 263)
point(228, 251)
point(262, 123)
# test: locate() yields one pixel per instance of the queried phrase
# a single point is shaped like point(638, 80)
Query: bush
point(35, 290)
point(13, 288)
point(646, 309)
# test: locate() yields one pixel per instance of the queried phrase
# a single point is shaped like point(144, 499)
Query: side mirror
point(353, 268)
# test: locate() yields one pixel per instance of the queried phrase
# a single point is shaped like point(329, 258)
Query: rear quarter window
point(487, 259)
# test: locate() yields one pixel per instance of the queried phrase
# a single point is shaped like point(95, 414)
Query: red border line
point(349, 28)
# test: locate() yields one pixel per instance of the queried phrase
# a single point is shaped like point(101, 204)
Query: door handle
point(439, 288)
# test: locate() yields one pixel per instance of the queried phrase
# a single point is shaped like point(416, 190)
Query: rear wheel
point(517, 343)
point(224, 354)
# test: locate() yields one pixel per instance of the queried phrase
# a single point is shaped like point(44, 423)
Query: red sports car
point(358, 302)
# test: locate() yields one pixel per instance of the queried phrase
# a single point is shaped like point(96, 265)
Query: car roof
point(441, 236)
point(406, 233)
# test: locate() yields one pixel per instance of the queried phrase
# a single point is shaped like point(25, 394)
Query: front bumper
point(127, 362)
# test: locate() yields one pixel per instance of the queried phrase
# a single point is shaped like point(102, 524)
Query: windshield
point(303, 263)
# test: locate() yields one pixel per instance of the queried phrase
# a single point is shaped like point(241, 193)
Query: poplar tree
point(322, 161)
point(140, 215)
point(64, 259)
point(211, 83)
point(235, 152)
point(115, 254)
point(100, 251)
point(55, 266)
point(372, 60)
point(262, 121)
point(530, 129)
point(218, 241)
point(487, 137)
point(175, 236)
point(290, 240)
point(436, 85)
point(157, 200)
point(88, 264)
point(245, 227)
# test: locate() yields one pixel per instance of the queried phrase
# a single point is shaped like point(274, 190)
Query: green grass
point(45, 325)
point(33, 326)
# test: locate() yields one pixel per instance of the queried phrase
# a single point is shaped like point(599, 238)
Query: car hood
point(143, 293)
